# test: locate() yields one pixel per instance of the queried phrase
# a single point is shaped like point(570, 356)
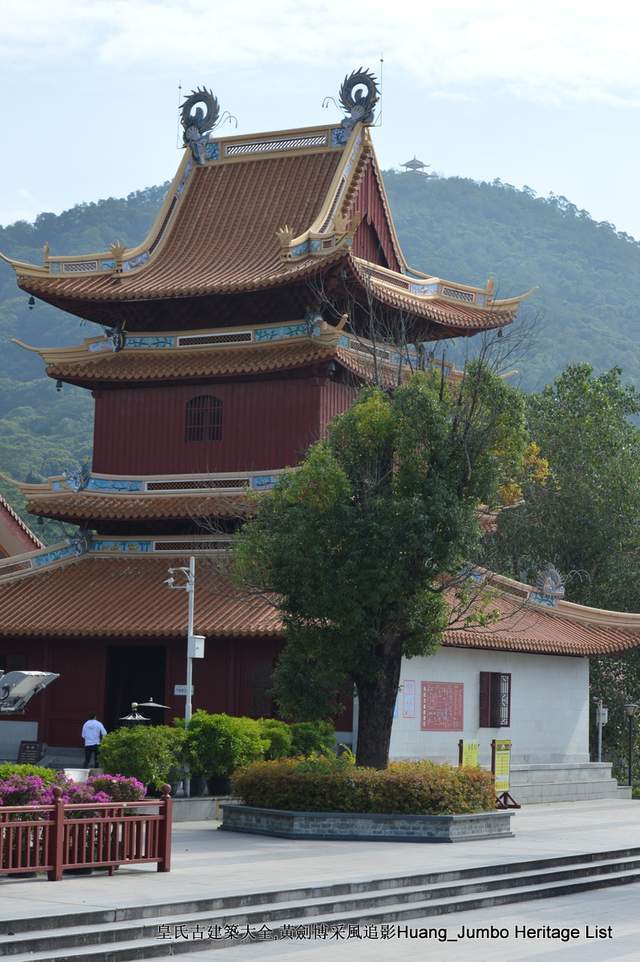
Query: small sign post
point(501, 768)
point(468, 754)
point(602, 717)
point(30, 753)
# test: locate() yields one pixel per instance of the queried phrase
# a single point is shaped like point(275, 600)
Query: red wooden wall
point(234, 677)
point(373, 239)
point(265, 424)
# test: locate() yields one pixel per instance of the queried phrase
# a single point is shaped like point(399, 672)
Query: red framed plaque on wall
point(442, 706)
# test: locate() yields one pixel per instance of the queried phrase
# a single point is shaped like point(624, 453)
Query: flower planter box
point(356, 826)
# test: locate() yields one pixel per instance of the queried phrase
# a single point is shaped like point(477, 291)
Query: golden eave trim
point(597, 617)
point(22, 267)
point(437, 288)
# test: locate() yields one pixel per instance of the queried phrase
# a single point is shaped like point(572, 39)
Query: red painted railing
point(53, 838)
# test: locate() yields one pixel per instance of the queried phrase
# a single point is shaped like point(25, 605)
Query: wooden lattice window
point(204, 419)
point(495, 699)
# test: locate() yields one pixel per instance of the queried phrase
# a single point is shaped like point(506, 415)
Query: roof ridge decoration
point(197, 123)
point(97, 483)
point(358, 103)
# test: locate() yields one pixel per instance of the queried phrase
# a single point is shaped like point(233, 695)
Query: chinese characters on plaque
point(442, 706)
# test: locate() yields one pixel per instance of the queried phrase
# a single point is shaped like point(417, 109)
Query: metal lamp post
point(630, 710)
point(189, 586)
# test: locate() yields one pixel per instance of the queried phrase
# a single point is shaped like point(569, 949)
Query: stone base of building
point(364, 827)
point(564, 782)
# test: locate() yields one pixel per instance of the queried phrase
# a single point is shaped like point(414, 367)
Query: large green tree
point(585, 518)
point(357, 542)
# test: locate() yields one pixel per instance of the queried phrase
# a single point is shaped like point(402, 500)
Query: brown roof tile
point(218, 362)
point(223, 237)
point(223, 240)
point(163, 365)
point(119, 597)
point(539, 630)
point(86, 506)
point(102, 596)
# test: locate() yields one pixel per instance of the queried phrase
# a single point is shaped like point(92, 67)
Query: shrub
point(148, 754)
point(218, 744)
point(119, 788)
point(32, 790)
point(20, 789)
point(48, 775)
point(279, 735)
point(310, 738)
point(326, 785)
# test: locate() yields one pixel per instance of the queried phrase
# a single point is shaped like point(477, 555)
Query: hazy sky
point(545, 94)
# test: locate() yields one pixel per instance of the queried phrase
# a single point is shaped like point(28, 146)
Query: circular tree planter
point(365, 827)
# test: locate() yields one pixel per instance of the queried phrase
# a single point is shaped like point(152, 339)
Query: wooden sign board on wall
point(442, 706)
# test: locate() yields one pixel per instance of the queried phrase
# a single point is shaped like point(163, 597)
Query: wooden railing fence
point(55, 838)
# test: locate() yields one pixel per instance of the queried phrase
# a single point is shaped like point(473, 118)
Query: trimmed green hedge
point(48, 775)
point(406, 788)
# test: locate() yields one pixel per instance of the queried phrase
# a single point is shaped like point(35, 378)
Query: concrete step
point(91, 936)
point(547, 774)
point(154, 947)
point(61, 757)
point(565, 791)
point(195, 905)
point(274, 912)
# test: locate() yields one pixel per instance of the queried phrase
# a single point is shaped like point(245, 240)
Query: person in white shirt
point(93, 731)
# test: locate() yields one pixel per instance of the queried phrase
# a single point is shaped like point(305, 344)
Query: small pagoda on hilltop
point(225, 343)
point(415, 166)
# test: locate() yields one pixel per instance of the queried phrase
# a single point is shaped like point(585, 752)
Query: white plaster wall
point(549, 707)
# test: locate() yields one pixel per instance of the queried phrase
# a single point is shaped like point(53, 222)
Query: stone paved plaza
point(209, 863)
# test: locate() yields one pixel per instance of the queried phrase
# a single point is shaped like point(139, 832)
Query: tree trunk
point(376, 702)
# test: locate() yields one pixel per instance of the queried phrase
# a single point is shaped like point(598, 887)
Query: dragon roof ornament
point(358, 102)
point(199, 114)
point(550, 582)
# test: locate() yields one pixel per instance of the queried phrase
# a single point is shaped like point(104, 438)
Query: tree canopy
point(585, 517)
point(356, 543)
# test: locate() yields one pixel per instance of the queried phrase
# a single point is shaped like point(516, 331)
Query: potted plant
point(218, 744)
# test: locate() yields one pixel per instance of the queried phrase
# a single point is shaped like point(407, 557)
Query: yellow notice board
point(502, 763)
point(470, 754)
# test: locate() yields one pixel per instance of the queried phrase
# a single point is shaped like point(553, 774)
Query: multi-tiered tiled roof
point(259, 214)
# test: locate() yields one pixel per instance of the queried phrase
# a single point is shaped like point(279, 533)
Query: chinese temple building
point(270, 288)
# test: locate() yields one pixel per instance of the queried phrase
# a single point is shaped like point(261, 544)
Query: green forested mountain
point(587, 277)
